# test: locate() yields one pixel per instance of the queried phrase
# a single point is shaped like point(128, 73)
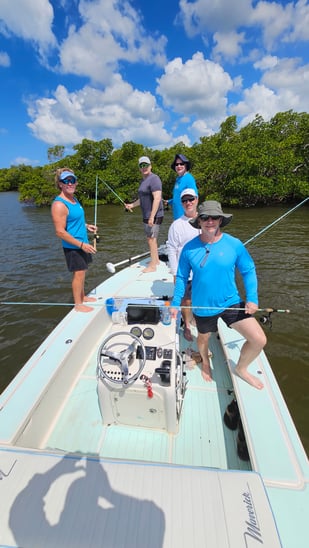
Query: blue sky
point(155, 73)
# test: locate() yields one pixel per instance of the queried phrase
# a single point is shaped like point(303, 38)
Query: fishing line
point(275, 222)
point(115, 193)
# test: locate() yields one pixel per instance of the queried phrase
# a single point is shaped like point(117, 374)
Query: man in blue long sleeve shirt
point(213, 258)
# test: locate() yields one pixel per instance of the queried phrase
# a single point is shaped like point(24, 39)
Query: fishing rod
point(111, 267)
point(21, 303)
point(115, 193)
point(96, 236)
point(275, 222)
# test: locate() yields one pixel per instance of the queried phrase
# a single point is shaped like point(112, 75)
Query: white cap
point(144, 160)
point(188, 192)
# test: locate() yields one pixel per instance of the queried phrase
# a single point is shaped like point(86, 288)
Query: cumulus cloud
point(300, 30)
point(267, 62)
point(283, 86)
point(274, 19)
point(223, 19)
point(288, 76)
point(108, 36)
point(119, 112)
point(28, 19)
point(206, 15)
point(228, 45)
point(197, 87)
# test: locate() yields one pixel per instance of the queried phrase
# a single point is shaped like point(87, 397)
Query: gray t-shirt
point(151, 184)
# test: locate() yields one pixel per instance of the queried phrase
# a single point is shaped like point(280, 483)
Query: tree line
point(262, 163)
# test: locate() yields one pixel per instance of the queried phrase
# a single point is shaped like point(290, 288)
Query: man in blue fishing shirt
point(213, 258)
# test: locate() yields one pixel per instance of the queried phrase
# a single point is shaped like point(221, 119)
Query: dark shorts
point(208, 324)
point(152, 231)
point(76, 259)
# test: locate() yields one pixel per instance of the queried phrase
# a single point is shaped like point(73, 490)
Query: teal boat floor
point(205, 442)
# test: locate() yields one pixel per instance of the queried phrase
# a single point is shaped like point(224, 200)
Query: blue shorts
point(208, 324)
point(76, 259)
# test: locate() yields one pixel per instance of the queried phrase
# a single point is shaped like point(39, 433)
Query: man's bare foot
point(206, 372)
point(250, 379)
point(150, 268)
point(89, 299)
point(187, 334)
point(83, 308)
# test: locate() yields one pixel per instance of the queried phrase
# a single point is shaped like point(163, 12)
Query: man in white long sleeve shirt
point(181, 232)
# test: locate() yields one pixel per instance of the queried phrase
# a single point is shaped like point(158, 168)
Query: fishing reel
point(96, 237)
point(266, 319)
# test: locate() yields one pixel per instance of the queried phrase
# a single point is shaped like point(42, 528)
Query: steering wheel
point(123, 355)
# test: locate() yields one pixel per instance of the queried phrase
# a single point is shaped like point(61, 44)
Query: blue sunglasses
point(69, 181)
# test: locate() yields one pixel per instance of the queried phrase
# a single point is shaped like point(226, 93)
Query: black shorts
point(76, 259)
point(208, 324)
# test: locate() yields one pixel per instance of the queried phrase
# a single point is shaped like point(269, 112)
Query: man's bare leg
point(154, 256)
point(78, 284)
point(255, 342)
point(202, 343)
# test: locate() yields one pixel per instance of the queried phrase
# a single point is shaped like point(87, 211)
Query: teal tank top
point(76, 222)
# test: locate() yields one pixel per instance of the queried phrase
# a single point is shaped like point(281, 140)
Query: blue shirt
point(76, 222)
point(185, 181)
point(214, 267)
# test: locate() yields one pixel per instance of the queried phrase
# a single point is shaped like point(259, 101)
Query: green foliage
point(261, 163)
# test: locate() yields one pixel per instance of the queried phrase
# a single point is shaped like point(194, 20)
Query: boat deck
point(187, 447)
point(93, 481)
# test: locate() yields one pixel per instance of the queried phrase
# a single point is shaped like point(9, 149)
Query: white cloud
point(197, 87)
point(267, 62)
point(228, 45)
point(289, 80)
point(219, 16)
point(200, 128)
point(109, 34)
point(284, 85)
point(274, 20)
point(4, 59)
point(257, 100)
point(120, 113)
point(300, 30)
point(28, 19)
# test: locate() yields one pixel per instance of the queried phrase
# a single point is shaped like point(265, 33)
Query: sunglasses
point(69, 181)
point(144, 165)
point(185, 200)
point(206, 217)
point(179, 164)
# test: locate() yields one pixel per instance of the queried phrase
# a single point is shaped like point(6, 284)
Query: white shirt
point(180, 232)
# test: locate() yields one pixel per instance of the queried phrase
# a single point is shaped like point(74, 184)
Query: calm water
point(33, 271)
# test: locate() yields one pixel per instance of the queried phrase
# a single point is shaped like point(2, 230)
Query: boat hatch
point(68, 501)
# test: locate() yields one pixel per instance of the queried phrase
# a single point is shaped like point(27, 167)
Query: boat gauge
point(136, 331)
point(148, 333)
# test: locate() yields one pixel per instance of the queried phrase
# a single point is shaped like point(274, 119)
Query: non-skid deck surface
point(68, 501)
point(198, 442)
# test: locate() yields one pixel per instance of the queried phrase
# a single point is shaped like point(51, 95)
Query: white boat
point(110, 437)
